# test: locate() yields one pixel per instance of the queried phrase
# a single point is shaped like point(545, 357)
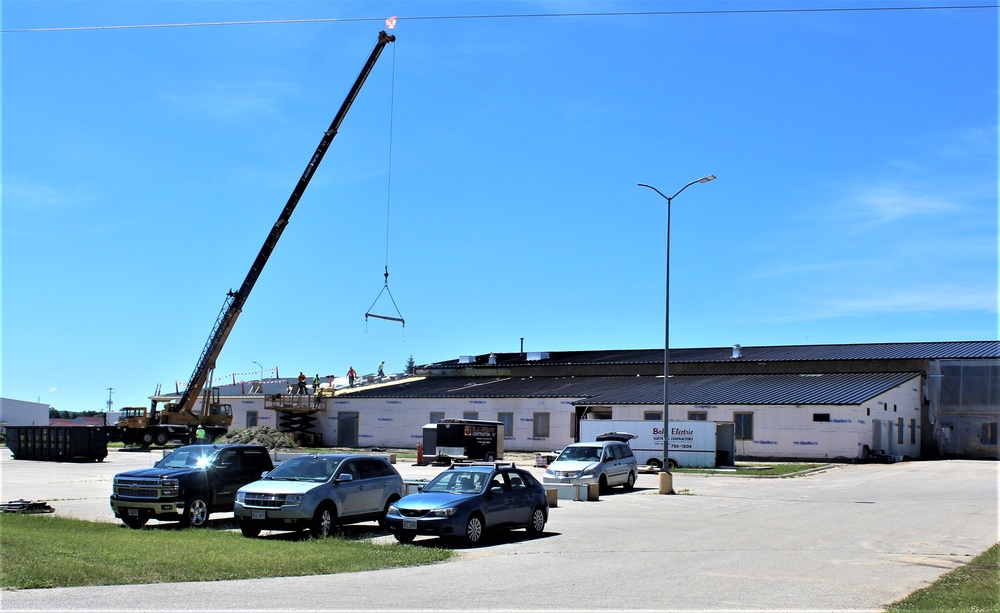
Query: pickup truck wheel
point(196, 512)
point(249, 530)
point(324, 522)
point(135, 522)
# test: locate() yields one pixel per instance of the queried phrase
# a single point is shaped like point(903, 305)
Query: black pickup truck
point(188, 484)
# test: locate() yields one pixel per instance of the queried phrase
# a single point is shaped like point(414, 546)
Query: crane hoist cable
point(388, 199)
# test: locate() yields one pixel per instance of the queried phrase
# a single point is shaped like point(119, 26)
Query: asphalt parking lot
point(852, 537)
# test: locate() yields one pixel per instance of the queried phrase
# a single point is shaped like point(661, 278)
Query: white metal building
point(23, 413)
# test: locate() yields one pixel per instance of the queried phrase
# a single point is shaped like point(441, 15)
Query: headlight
point(442, 512)
point(589, 470)
point(171, 487)
point(393, 510)
point(240, 497)
point(549, 472)
point(293, 499)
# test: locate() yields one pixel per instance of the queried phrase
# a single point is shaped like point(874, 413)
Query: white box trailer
point(694, 444)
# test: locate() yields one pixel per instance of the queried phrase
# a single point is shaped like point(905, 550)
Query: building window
point(744, 426)
point(652, 415)
point(989, 433)
point(605, 414)
point(436, 416)
point(698, 415)
point(540, 425)
point(507, 419)
point(821, 417)
point(470, 415)
point(899, 429)
point(913, 432)
point(251, 419)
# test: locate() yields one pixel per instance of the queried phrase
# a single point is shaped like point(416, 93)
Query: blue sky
point(492, 164)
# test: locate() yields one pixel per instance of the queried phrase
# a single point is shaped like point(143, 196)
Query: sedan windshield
point(458, 482)
point(305, 469)
point(580, 454)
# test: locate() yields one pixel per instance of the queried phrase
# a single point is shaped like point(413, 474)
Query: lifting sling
point(385, 288)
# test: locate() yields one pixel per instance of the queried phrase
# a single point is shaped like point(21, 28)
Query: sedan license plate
point(409, 524)
point(133, 512)
point(258, 514)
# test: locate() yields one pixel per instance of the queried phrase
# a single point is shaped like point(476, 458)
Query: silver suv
point(608, 461)
point(318, 493)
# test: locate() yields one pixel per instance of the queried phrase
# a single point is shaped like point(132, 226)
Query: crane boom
point(233, 305)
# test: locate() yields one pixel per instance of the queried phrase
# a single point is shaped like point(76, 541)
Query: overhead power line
point(512, 16)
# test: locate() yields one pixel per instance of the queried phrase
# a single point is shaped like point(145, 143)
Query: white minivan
point(607, 461)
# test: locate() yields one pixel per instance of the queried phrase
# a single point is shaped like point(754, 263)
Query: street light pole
point(666, 478)
point(261, 380)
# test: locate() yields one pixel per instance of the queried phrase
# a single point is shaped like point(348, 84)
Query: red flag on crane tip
point(390, 23)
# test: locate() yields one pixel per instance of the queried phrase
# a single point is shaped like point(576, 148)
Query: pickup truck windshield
point(188, 457)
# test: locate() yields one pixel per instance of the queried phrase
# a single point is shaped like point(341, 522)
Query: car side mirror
point(496, 489)
point(345, 478)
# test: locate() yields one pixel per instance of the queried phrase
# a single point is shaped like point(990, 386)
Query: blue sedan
point(464, 502)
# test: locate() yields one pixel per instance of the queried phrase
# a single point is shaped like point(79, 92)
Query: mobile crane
point(178, 420)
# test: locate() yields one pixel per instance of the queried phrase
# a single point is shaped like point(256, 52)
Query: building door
point(251, 419)
point(347, 429)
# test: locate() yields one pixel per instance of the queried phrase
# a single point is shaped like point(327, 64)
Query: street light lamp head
point(706, 179)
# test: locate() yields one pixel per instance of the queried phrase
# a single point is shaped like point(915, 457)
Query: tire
point(474, 529)
point(249, 530)
point(196, 512)
point(490, 457)
point(147, 439)
point(161, 438)
point(382, 523)
point(537, 525)
point(673, 464)
point(630, 481)
point(324, 522)
point(603, 481)
point(135, 523)
point(404, 537)
point(654, 463)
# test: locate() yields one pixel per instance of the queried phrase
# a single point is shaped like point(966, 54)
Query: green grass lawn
point(42, 551)
point(974, 587)
point(758, 469)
